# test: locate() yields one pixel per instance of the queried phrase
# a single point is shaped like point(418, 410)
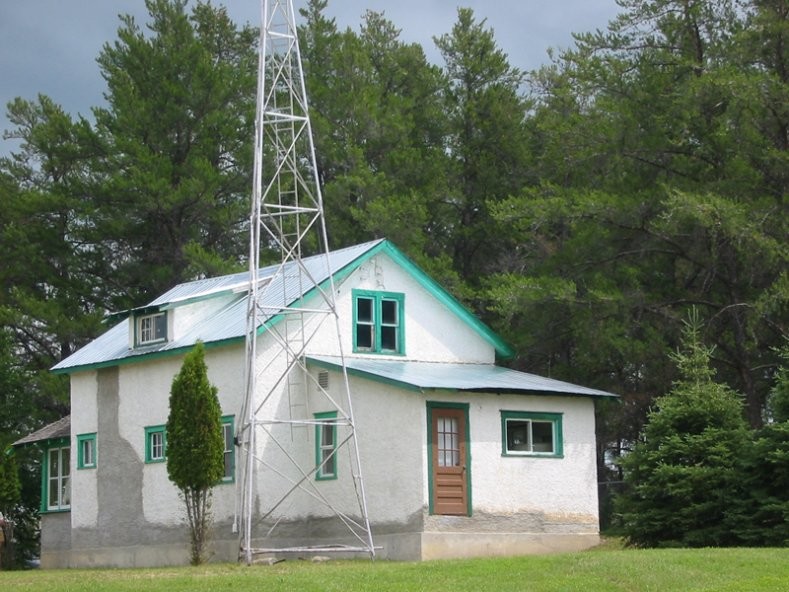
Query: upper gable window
point(151, 328)
point(378, 322)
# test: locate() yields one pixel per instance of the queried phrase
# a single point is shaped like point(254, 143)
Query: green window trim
point(325, 446)
point(86, 451)
point(378, 322)
point(228, 435)
point(155, 444)
point(59, 450)
point(150, 328)
point(530, 434)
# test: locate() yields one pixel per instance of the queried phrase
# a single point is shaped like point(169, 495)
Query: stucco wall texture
point(126, 512)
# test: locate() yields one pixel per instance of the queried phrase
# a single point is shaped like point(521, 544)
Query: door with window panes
point(449, 461)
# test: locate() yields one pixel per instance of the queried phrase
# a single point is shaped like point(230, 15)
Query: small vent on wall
point(323, 379)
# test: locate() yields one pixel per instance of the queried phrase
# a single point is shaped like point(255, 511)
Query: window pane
point(54, 479)
point(65, 493)
point(87, 453)
point(389, 338)
point(518, 435)
point(542, 436)
point(328, 468)
point(146, 330)
point(327, 436)
point(160, 327)
point(364, 310)
point(389, 312)
point(448, 442)
point(227, 433)
point(364, 336)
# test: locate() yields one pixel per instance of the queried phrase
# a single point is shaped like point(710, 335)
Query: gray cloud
point(50, 46)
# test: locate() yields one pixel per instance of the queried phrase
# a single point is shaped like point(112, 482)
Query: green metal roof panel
point(424, 376)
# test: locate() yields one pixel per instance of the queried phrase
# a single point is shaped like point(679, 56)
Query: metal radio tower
point(286, 216)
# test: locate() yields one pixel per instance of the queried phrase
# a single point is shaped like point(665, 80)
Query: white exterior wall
point(144, 401)
point(84, 420)
point(432, 333)
point(391, 428)
point(562, 489)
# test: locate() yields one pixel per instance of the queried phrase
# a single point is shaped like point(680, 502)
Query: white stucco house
point(461, 457)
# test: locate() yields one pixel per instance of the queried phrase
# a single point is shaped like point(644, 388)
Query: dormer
point(150, 326)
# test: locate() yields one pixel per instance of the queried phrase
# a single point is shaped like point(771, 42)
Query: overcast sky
point(50, 46)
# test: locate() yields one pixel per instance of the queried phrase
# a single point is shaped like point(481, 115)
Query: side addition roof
point(482, 378)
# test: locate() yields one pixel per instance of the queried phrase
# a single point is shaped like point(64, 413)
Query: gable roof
point(284, 287)
point(480, 378)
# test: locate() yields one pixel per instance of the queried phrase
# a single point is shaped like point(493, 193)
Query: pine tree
point(195, 448)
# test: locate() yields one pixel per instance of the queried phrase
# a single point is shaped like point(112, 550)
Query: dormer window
point(151, 328)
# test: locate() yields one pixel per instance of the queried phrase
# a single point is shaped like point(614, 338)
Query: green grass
point(719, 570)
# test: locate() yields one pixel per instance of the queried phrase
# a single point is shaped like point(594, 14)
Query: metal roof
point(58, 429)
point(223, 318)
point(227, 320)
point(423, 376)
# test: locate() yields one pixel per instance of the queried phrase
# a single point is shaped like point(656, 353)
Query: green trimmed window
point(326, 445)
point(86, 451)
point(531, 434)
point(230, 449)
point(155, 444)
point(151, 328)
point(57, 477)
point(378, 322)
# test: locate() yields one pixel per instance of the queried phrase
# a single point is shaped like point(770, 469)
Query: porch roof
point(481, 378)
point(57, 429)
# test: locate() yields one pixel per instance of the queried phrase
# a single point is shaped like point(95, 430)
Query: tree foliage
point(582, 209)
point(178, 126)
point(682, 477)
point(195, 447)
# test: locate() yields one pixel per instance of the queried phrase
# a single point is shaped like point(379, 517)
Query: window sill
point(63, 511)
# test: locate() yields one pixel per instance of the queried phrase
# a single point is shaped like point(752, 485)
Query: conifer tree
point(683, 476)
point(195, 448)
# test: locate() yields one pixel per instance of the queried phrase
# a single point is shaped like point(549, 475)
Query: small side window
point(86, 451)
point(531, 434)
point(326, 445)
point(155, 444)
point(230, 449)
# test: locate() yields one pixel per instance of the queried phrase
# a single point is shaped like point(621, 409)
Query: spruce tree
point(195, 448)
point(683, 478)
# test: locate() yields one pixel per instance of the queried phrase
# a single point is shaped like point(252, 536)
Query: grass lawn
point(631, 570)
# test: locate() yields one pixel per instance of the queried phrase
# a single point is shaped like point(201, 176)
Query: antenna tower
point(287, 218)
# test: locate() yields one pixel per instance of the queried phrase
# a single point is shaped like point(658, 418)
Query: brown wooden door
point(450, 475)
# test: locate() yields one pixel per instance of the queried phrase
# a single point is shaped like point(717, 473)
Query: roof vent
point(323, 379)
